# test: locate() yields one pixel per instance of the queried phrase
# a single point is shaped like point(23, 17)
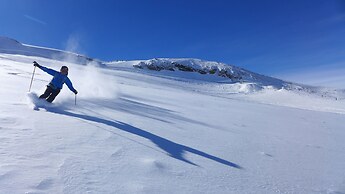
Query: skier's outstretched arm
point(45, 69)
point(70, 86)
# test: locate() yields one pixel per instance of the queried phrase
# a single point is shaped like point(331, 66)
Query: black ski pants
point(50, 94)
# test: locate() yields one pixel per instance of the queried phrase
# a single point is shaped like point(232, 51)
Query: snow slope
point(11, 46)
point(140, 131)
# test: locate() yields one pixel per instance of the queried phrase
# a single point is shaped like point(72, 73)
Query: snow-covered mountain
point(176, 130)
point(11, 46)
point(233, 73)
point(209, 71)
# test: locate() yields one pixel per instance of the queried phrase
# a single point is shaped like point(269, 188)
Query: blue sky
point(282, 38)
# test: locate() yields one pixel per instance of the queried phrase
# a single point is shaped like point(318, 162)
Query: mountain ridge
point(12, 46)
point(209, 71)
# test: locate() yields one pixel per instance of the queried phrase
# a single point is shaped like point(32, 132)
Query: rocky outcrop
point(159, 65)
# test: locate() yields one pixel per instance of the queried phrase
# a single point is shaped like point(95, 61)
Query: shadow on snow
point(173, 149)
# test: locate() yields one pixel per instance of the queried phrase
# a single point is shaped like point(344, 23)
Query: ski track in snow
point(158, 135)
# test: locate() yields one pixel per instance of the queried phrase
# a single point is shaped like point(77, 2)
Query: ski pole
point(32, 78)
point(75, 99)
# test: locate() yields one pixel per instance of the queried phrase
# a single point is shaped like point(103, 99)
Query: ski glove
point(75, 92)
point(36, 64)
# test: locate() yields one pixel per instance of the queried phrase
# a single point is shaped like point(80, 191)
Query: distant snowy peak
point(11, 46)
point(234, 79)
point(235, 74)
point(194, 65)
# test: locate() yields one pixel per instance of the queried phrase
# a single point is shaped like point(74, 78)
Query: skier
point(55, 85)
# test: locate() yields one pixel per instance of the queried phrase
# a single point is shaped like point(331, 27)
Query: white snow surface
point(11, 46)
point(140, 131)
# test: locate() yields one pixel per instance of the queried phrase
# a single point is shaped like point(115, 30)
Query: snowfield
point(140, 131)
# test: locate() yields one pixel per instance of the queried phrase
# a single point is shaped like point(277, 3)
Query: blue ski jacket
point(58, 80)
